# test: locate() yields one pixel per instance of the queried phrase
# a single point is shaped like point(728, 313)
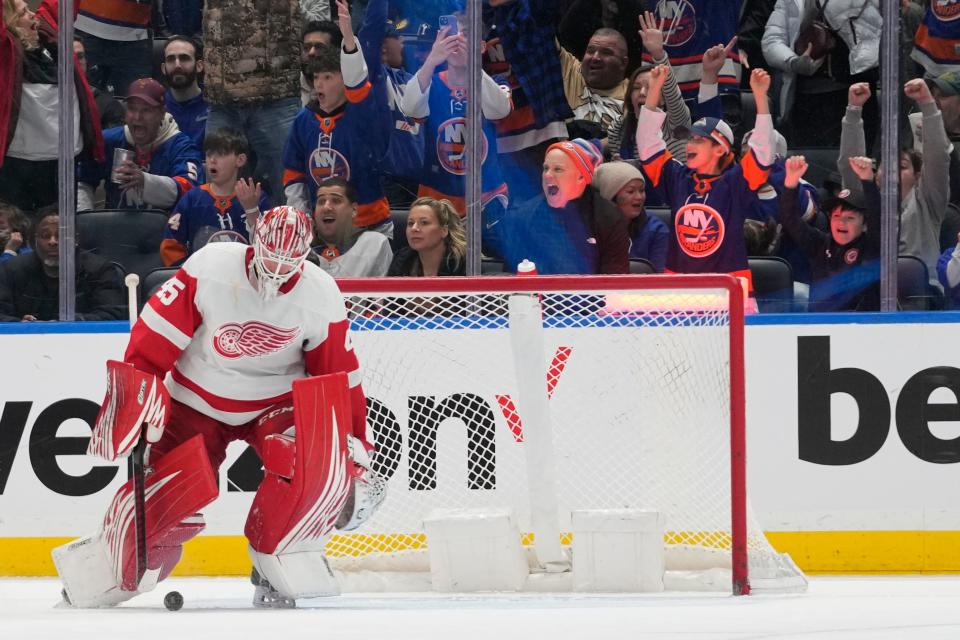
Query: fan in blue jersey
point(709, 195)
point(182, 63)
point(340, 134)
point(441, 99)
point(223, 203)
point(165, 165)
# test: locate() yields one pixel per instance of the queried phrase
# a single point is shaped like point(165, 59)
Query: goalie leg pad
point(307, 481)
point(100, 570)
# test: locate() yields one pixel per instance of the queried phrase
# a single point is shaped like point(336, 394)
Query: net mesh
point(639, 403)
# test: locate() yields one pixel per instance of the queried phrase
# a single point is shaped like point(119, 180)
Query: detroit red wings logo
point(252, 339)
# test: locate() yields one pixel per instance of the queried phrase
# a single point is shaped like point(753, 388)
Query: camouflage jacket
point(251, 50)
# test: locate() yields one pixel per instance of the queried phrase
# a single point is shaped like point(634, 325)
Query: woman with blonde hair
point(29, 106)
point(437, 241)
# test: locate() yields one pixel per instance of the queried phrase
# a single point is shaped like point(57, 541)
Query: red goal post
point(640, 371)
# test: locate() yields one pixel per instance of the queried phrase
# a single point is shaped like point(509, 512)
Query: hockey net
point(644, 376)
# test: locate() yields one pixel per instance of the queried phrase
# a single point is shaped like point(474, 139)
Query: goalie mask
point(281, 243)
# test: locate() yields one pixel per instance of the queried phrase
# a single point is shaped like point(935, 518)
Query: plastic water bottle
point(526, 268)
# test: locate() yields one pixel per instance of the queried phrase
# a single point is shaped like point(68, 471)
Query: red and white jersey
point(230, 353)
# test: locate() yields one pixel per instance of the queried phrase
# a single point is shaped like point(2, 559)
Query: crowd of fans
point(685, 135)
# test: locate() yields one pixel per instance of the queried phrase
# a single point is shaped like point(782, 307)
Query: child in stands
point(845, 263)
point(709, 195)
point(224, 203)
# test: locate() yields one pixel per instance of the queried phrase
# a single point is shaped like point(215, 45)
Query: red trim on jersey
point(940, 48)
point(653, 167)
point(333, 356)
point(290, 176)
point(183, 185)
point(459, 202)
point(755, 175)
point(372, 213)
point(695, 84)
point(357, 94)
point(152, 352)
point(227, 405)
point(171, 251)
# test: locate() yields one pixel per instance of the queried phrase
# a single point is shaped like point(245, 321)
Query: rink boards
point(863, 478)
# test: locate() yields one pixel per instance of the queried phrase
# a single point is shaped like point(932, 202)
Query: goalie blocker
point(314, 468)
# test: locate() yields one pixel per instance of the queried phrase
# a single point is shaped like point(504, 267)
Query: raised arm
point(852, 140)
point(651, 34)
point(934, 182)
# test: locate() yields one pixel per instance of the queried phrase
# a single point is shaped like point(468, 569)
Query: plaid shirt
point(526, 30)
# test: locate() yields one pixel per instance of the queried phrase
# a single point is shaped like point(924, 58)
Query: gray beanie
point(610, 177)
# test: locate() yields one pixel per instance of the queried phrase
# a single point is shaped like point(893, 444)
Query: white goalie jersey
point(230, 353)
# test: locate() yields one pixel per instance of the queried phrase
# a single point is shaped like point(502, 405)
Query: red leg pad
point(180, 484)
point(292, 512)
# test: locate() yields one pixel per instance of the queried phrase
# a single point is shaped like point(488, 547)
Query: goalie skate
point(266, 597)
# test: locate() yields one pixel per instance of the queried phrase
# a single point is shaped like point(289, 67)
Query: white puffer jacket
point(858, 25)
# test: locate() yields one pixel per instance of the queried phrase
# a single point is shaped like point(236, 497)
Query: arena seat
point(641, 266)
point(399, 217)
point(664, 213)
point(772, 283)
point(914, 292)
point(128, 237)
point(491, 267)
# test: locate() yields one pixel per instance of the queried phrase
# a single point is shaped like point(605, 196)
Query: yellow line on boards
point(813, 551)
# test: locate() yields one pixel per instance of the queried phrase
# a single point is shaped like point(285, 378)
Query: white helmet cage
point(281, 242)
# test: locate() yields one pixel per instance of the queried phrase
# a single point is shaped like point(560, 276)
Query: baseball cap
point(392, 31)
point(847, 199)
point(148, 90)
point(713, 128)
point(948, 83)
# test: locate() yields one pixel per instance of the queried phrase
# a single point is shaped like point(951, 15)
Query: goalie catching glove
point(133, 398)
point(368, 489)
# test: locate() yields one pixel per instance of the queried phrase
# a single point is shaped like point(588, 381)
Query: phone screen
point(451, 22)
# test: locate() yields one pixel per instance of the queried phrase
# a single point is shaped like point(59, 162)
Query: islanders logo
point(700, 229)
point(451, 145)
point(678, 19)
point(328, 163)
point(946, 10)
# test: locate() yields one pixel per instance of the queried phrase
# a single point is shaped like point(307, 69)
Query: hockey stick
point(136, 458)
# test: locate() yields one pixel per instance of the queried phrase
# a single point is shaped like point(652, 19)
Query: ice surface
point(844, 608)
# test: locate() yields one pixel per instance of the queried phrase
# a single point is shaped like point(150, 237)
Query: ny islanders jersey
point(444, 174)
point(347, 143)
point(200, 208)
point(232, 355)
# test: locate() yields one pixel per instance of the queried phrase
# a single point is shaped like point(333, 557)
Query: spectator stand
point(772, 283)
point(130, 238)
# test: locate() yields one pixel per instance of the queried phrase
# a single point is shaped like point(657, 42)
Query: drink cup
point(119, 157)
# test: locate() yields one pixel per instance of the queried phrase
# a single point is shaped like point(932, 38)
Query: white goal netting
point(638, 387)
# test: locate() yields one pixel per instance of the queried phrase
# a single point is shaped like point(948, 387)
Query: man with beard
point(165, 165)
point(182, 63)
point(30, 283)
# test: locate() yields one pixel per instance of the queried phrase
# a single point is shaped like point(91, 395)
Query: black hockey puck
point(173, 601)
